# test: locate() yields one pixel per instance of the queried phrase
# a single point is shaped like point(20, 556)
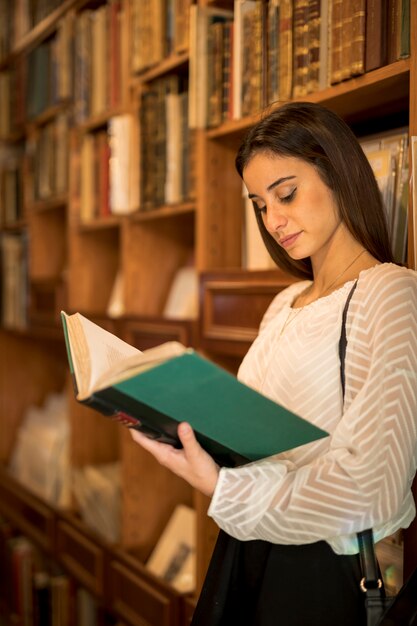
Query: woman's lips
point(288, 241)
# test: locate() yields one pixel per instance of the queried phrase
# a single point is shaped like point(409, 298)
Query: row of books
point(11, 185)
point(100, 73)
point(262, 52)
point(108, 173)
point(139, 163)
point(13, 279)
point(49, 71)
point(18, 17)
point(159, 28)
point(31, 84)
point(166, 144)
point(388, 155)
point(35, 591)
point(81, 61)
point(40, 455)
point(47, 152)
point(98, 493)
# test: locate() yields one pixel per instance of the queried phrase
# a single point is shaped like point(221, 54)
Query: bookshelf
point(57, 161)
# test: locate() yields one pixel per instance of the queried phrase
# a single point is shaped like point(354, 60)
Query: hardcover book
point(153, 391)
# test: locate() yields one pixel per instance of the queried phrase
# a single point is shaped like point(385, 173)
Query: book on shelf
point(14, 279)
point(124, 170)
point(201, 20)
point(387, 153)
point(153, 391)
point(182, 300)
point(174, 556)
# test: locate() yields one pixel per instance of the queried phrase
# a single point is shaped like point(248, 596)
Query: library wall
point(119, 124)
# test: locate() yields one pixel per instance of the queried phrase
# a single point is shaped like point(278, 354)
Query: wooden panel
point(150, 495)
point(188, 611)
point(94, 261)
point(152, 252)
point(220, 205)
point(233, 304)
point(47, 299)
point(83, 558)
point(32, 516)
point(94, 437)
point(48, 250)
point(30, 368)
point(147, 333)
point(136, 598)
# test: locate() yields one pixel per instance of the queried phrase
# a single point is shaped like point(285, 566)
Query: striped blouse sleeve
point(364, 476)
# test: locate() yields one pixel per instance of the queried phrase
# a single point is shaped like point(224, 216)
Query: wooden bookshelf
point(73, 264)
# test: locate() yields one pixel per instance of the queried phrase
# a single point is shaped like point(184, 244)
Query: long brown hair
point(321, 138)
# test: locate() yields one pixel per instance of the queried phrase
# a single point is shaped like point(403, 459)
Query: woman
point(288, 551)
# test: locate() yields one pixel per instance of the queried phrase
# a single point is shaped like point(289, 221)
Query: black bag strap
point(369, 563)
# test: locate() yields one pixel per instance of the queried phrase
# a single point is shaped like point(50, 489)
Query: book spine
point(285, 49)
point(375, 38)
point(301, 53)
point(358, 38)
point(314, 23)
point(336, 45)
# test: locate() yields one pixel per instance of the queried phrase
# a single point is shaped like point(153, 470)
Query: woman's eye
point(289, 197)
point(259, 208)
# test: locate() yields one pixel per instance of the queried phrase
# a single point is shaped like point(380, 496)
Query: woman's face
point(297, 208)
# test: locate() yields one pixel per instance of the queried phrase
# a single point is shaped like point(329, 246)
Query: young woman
point(287, 552)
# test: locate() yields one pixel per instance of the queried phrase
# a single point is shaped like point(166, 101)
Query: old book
point(358, 37)
point(285, 50)
point(376, 34)
point(273, 50)
point(405, 29)
point(252, 60)
point(174, 556)
point(314, 31)
point(336, 43)
point(201, 17)
point(154, 390)
point(394, 30)
point(124, 166)
point(301, 51)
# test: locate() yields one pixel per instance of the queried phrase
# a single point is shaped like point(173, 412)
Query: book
point(174, 556)
point(153, 391)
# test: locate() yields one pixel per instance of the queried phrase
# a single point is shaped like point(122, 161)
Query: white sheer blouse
point(361, 475)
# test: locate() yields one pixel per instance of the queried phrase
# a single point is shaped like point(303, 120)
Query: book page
point(100, 359)
point(139, 363)
point(95, 351)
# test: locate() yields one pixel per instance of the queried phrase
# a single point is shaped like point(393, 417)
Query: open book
point(153, 391)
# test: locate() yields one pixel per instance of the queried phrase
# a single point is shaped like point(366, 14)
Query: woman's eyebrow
point(277, 182)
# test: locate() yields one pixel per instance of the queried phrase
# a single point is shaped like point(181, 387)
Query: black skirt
point(256, 583)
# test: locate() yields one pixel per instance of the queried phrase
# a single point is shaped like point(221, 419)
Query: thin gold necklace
point(291, 317)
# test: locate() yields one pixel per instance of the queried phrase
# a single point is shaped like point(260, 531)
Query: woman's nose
point(274, 219)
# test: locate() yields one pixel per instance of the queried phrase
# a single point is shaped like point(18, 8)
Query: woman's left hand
point(191, 463)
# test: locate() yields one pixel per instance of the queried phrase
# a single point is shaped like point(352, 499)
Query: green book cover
point(233, 422)
point(155, 390)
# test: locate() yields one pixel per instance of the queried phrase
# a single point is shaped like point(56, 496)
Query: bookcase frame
point(74, 265)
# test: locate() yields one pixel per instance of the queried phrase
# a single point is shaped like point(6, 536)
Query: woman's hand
point(191, 463)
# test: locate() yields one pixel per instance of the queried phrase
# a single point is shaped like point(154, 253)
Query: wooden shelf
point(49, 114)
point(49, 204)
point(73, 265)
point(173, 63)
point(42, 30)
point(164, 212)
point(380, 91)
point(117, 579)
